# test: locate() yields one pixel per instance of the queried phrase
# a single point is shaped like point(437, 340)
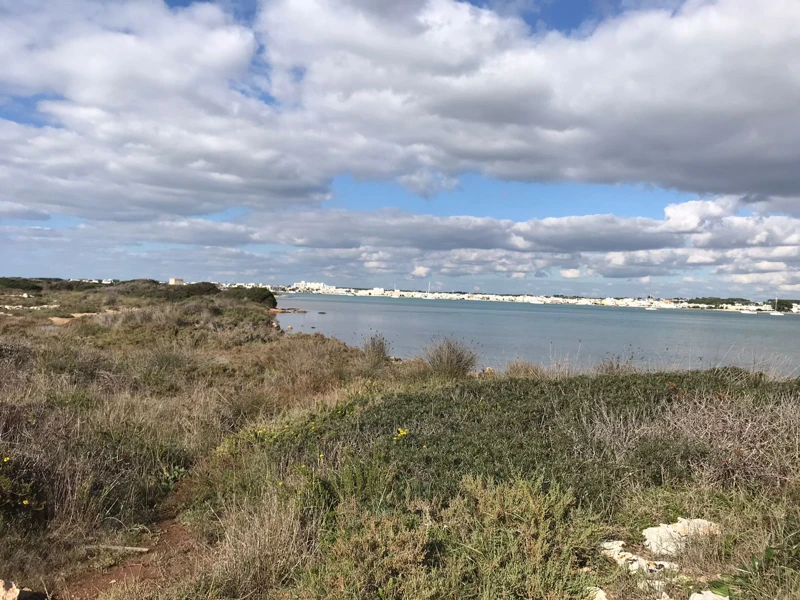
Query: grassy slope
point(311, 470)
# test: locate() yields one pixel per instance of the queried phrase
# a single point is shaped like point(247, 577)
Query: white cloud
point(420, 271)
point(144, 117)
point(570, 273)
point(160, 111)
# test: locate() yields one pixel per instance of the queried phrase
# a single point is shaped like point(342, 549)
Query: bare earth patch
point(171, 546)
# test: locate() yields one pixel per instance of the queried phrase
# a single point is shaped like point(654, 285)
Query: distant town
point(742, 305)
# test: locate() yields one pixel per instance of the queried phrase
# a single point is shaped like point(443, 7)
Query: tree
point(784, 306)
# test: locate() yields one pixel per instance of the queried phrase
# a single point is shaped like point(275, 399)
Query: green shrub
point(154, 290)
point(450, 358)
point(20, 283)
point(259, 295)
point(72, 286)
point(503, 428)
point(20, 498)
point(520, 539)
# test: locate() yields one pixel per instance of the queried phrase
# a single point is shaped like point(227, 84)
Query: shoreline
point(551, 301)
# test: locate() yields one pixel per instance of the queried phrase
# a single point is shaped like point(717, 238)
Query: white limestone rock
point(595, 593)
point(654, 589)
point(614, 551)
point(670, 540)
point(707, 595)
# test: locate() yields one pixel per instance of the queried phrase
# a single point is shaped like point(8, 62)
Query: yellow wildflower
point(6, 459)
point(400, 433)
point(25, 502)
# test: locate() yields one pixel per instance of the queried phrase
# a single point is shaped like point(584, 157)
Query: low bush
point(450, 358)
point(154, 290)
point(20, 283)
point(519, 539)
point(375, 351)
point(65, 285)
point(258, 295)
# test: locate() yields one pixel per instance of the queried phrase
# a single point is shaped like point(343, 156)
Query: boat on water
point(651, 308)
point(775, 313)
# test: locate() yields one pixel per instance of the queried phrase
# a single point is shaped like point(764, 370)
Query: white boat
point(775, 313)
point(747, 312)
point(651, 308)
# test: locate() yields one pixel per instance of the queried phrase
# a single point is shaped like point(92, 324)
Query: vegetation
point(450, 358)
point(303, 468)
point(259, 295)
point(21, 284)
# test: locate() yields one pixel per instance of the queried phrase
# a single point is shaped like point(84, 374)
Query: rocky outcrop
point(632, 562)
point(664, 540)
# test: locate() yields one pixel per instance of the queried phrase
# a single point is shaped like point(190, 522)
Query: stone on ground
point(707, 595)
point(595, 593)
point(633, 562)
point(670, 540)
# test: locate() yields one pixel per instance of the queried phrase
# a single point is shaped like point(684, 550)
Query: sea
point(566, 336)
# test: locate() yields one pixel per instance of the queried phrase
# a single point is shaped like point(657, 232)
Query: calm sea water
point(577, 335)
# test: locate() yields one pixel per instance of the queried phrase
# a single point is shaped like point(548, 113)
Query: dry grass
point(450, 358)
point(520, 369)
point(101, 418)
point(375, 351)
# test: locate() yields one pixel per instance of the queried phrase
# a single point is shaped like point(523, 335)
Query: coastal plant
point(257, 295)
point(519, 539)
point(450, 358)
point(375, 349)
point(520, 369)
point(20, 498)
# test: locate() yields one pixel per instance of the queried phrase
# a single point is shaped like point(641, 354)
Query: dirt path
point(171, 546)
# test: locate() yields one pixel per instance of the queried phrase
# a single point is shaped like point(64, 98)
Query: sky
point(592, 147)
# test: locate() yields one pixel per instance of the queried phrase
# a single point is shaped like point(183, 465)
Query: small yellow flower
point(321, 455)
point(25, 502)
point(280, 483)
point(400, 433)
point(6, 459)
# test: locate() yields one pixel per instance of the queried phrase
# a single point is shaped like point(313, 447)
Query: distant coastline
point(630, 302)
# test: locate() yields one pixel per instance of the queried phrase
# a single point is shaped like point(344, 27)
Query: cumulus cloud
point(152, 110)
point(142, 118)
point(420, 271)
